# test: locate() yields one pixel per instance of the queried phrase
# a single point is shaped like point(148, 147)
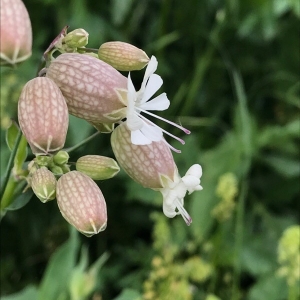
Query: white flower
point(174, 193)
point(143, 131)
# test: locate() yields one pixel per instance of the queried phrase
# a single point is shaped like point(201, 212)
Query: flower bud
point(56, 170)
point(123, 56)
point(43, 160)
point(43, 184)
point(90, 86)
point(15, 32)
point(97, 167)
point(76, 38)
point(81, 203)
point(43, 115)
point(61, 158)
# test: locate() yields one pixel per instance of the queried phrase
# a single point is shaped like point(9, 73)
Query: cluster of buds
point(91, 87)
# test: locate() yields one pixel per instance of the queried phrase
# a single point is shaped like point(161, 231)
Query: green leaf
point(11, 135)
point(270, 287)
point(21, 155)
point(58, 273)
point(79, 129)
point(21, 200)
point(30, 292)
point(226, 157)
point(288, 167)
point(129, 294)
point(120, 9)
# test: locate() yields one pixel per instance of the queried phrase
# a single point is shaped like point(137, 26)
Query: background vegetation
point(231, 70)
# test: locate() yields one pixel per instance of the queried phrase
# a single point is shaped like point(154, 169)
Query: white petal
point(160, 102)
point(131, 93)
point(195, 170)
point(134, 122)
point(151, 132)
point(190, 181)
point(153, 85)
point(138, 138)
point(151, 68)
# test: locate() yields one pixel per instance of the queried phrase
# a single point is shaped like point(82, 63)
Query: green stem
point(10, 165)
point(82, 142)
point(88, 49)
point(239, 231)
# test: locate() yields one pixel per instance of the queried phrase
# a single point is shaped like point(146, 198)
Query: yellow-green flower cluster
point(289, 254)
point(170, 277)
point(227, 190)
point(212, 297)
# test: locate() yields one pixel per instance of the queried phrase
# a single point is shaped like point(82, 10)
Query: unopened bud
point(90, 86)
point(123, 56)
point(75, 39)
point(81, 203)
point(43, 160)
point(43, 115)
point(15, 32)
point(97, 167)
point(57, 170)
point(43, 184)
point(61, 158)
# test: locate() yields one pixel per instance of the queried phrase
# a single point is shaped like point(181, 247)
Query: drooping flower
point(143, 131)
point(43, 115)
point(81, 203)
point(15, 32)
point(90, 86)
point(152, 165)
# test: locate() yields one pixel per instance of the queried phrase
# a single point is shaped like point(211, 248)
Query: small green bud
point(43, 184)
point(123, 56)
point(61, 158)
point(97, 167)
point(75, 39)
point(57, 170)
point(65, 169)
point(43, 160)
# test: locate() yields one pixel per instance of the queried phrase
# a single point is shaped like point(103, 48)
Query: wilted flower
point(15, 32)
point(81, 203)
point(123, 56)
point(90, 86)
point(143, 131)
point(43, 115)
point(153, 166)
point(43, 184)
point(97, 167)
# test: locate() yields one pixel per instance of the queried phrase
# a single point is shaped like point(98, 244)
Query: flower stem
point(239, 226)
point(82, 142)
point(10, 165)
point(89, 50)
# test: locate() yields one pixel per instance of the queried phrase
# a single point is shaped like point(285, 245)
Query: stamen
point(163, 130)
point(165, 120)
point(171, 147)
point(186, 217)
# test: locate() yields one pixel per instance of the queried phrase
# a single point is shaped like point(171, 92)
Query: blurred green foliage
point(232, 72)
